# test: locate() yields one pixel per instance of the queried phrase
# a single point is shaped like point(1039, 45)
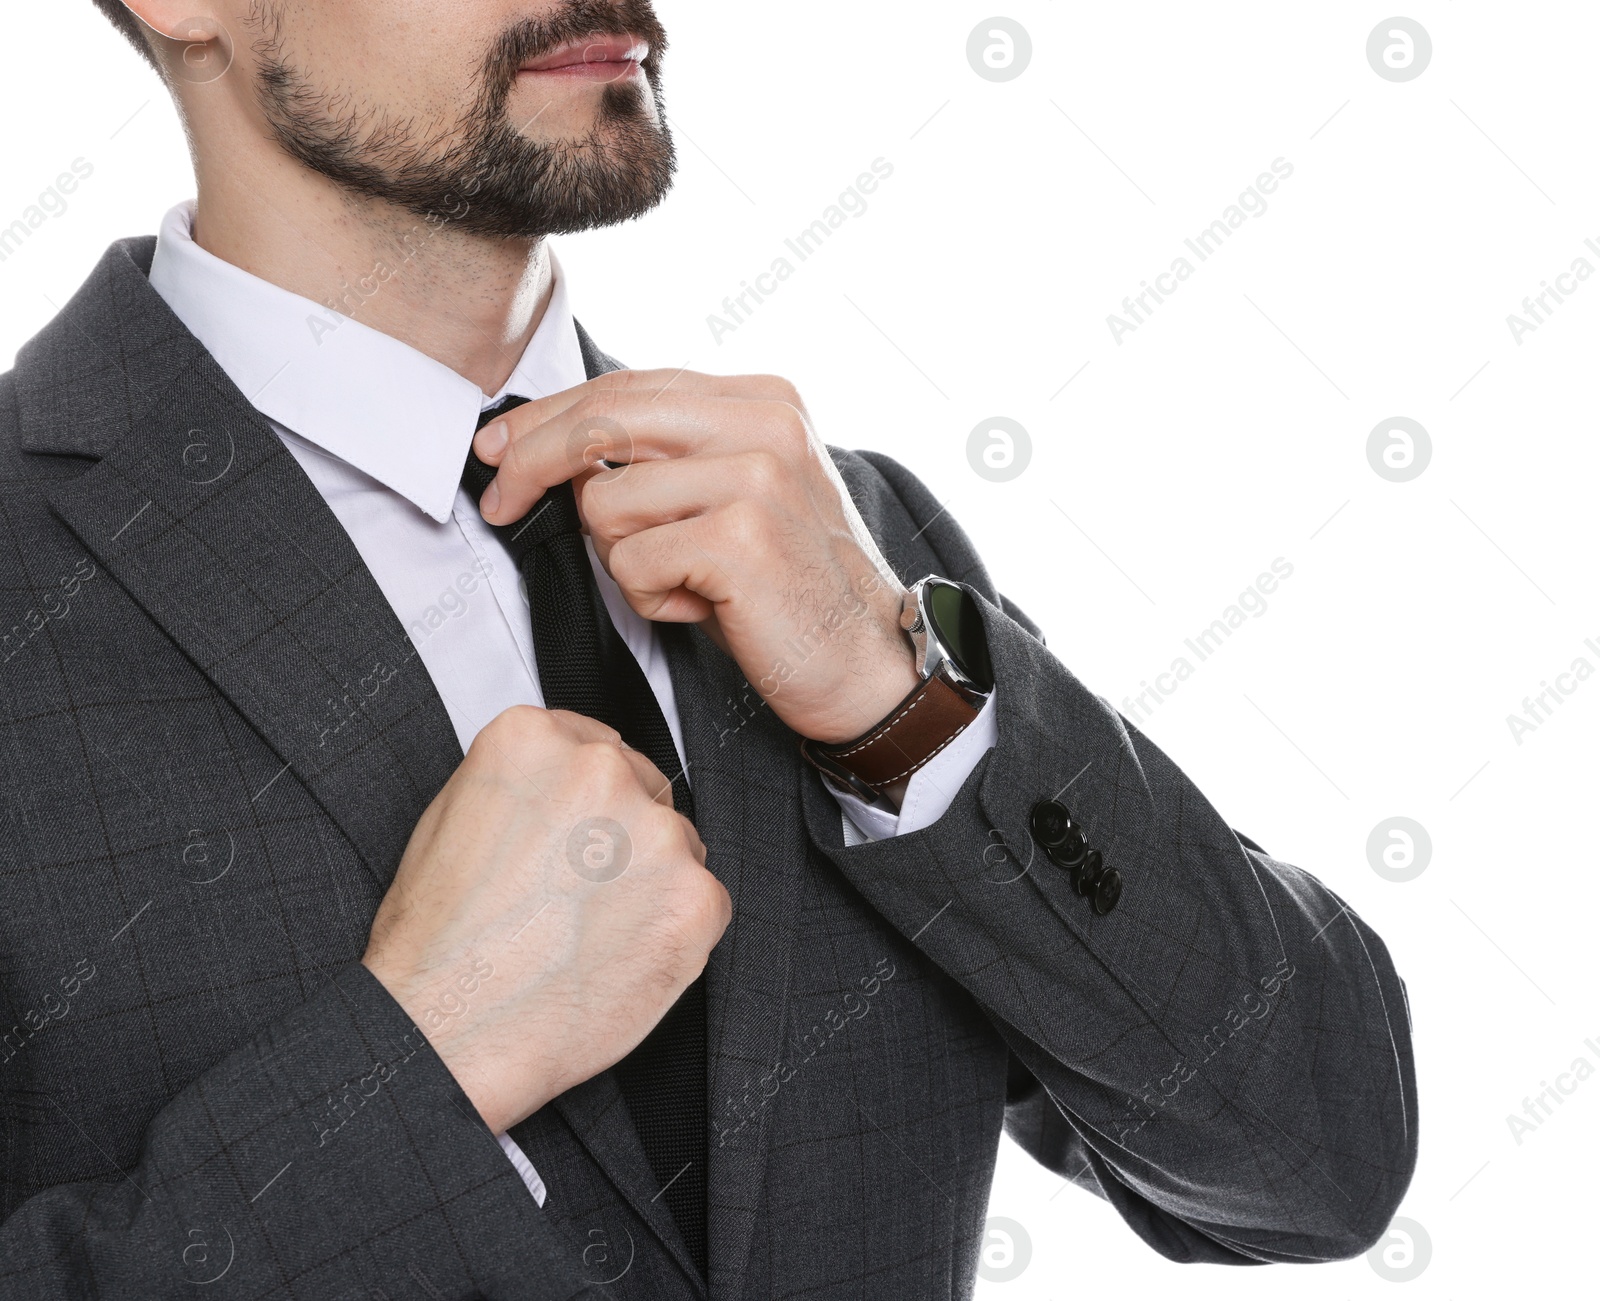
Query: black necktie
point(585, 666)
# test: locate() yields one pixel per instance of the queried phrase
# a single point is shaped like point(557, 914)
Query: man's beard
point(482, 173)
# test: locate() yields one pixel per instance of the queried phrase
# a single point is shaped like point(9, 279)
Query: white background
point(1176, 465)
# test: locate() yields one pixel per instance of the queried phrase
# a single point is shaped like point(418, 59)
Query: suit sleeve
point(1225, 1056)
point(333, 1156)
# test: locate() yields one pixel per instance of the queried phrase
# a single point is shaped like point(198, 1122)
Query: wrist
point(871, 679)
point(884, 692)
point(941, 627)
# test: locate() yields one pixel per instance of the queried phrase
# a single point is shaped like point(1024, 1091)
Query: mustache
point(531, 38)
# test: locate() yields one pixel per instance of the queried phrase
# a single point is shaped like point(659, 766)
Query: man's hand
point(549, 909)
point(728, 512)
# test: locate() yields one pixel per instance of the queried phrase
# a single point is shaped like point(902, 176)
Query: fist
point(550, 908)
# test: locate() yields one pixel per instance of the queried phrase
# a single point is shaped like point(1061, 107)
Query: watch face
point(959, 626)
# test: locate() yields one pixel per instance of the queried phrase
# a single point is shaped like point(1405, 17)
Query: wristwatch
point(945, 628)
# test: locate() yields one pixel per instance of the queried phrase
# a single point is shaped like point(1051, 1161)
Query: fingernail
point(490, 501)
point(492, 439)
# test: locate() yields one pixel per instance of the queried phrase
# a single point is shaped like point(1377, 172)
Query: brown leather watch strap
point(918, 728)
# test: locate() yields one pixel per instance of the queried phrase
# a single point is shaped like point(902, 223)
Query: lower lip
point(610, 70)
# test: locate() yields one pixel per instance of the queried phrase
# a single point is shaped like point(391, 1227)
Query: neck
point(467, 301)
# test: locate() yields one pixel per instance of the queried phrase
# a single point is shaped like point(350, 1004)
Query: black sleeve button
point(1069, 857)
point(1087, 875)
point(1108, 891)
point(1066, 846)
point(1051, 824)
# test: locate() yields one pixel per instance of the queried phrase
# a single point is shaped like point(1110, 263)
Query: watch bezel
point(932, 645)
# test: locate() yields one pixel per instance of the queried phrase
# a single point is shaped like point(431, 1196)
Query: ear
point(189, 38)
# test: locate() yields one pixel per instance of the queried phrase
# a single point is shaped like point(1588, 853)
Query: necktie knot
point(498, 409)
point(552, 515)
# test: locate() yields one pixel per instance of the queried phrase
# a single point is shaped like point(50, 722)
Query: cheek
point(401, 57)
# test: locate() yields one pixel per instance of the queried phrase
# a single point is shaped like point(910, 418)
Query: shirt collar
point(358, 394)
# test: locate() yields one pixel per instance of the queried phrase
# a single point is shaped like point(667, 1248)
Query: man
point(481, 822)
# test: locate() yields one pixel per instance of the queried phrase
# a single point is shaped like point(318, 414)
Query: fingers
point(672, 573)
point(616, 504)
point(654, 781)
point(653, 385)
point(520, 736)
point(623, 426)
point(576, 727)
point(695, 843)
point(656, 785)
point(585, 730)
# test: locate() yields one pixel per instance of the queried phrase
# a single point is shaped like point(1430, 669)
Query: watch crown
point(911, 617)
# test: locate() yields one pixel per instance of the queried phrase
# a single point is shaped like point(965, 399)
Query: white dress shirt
point(382, 431)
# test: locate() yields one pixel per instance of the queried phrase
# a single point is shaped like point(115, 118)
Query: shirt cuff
point(931, 788)
point(523, 1166)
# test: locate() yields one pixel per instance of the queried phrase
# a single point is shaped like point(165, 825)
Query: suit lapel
point(744, 766)
point(202, 515)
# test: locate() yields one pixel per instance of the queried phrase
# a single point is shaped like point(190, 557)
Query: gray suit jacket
point(217, 739)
